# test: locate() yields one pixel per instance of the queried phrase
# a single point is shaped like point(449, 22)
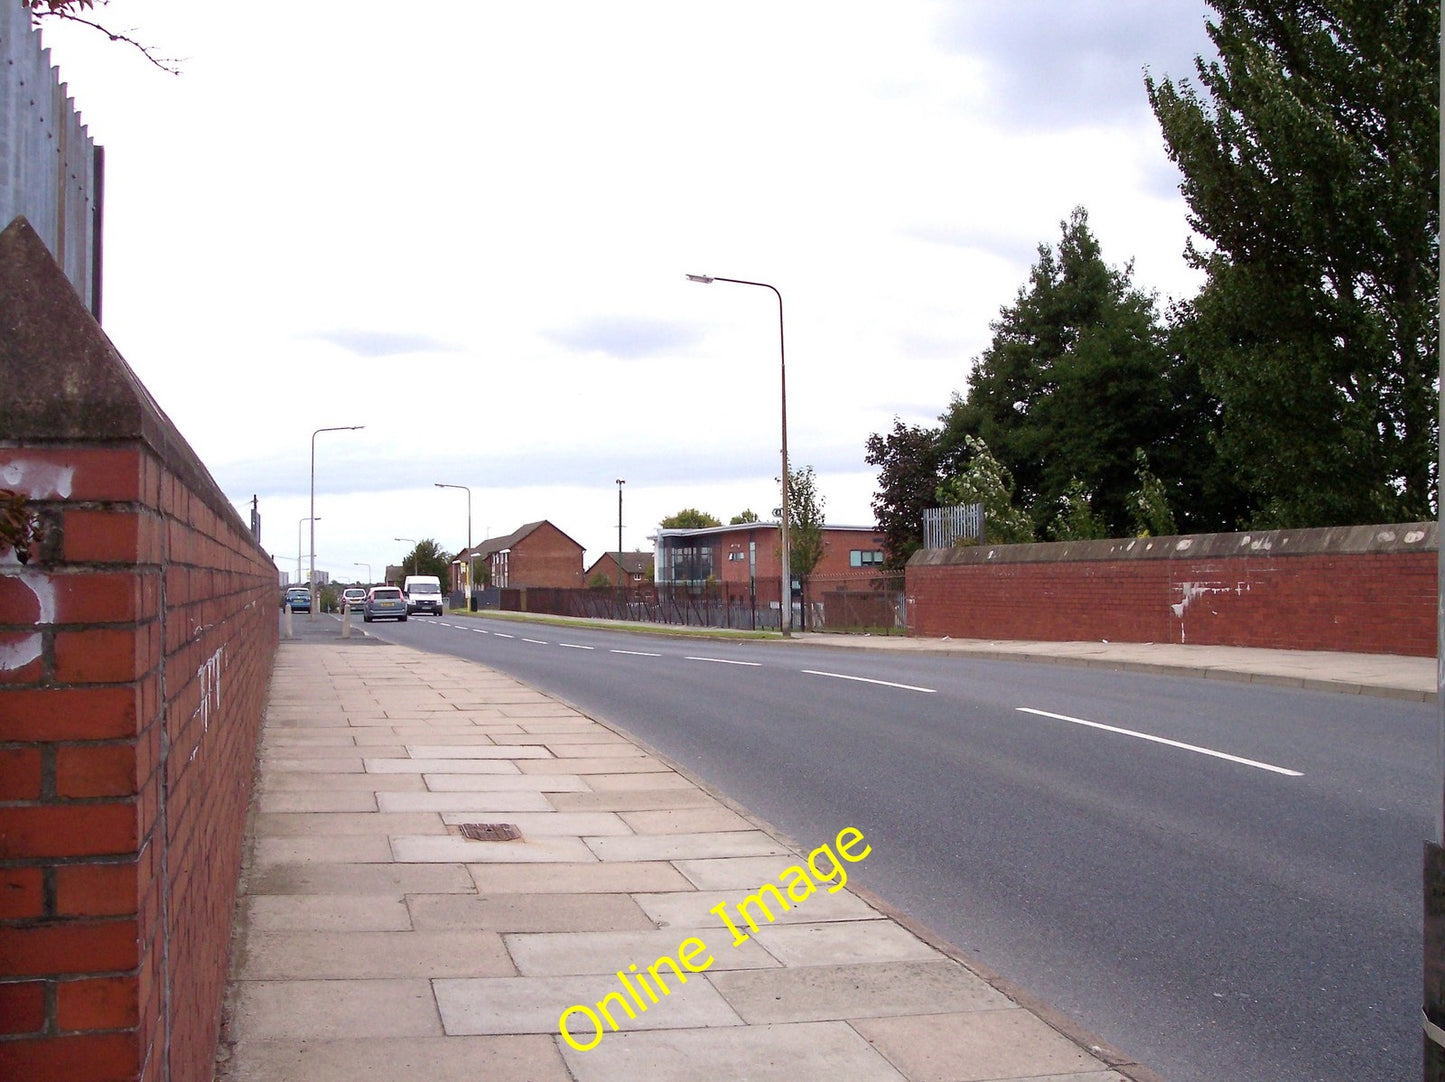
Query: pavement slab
point(399, 1059)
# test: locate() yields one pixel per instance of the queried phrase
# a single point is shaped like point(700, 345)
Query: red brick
point(99, 656)
point(96, 890)
point(91, 771)
point(22, 1008)
point(23, 654)
point(68, 713)
point(22, 893)
point(67, 830)
point(19, 603)
point(19, 773)
point(79, 947)
point(112, 598)
point(110, 1057)
point(102, 537)
point(99, 1003)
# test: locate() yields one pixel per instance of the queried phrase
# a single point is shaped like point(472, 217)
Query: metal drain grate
point(490, 832)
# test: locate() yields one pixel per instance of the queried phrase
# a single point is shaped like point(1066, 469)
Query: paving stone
point(690, 909)
point(527, 912)
point(535, 783)
point(736, 843)
point(593, 877)
point(563, 749)
point(841, 943)
point(328, 913)
point(400, 1059)
point(536, 1004)
point(557, 954)
point(685, 820)
point(453, 849)
point(349, 850)
point(975, 1046)
point(820, 993)
point(292, 781)
point(733, 873)
point(360, 879)
point(464, 801)
point(633, 799)
point(640, 764)
point(298, 824)
point(576, 824)
point(478, 765)
point(369, 955)
point(606, 783)
point(265, 1010)
point(780, 1053)
point(283, 802)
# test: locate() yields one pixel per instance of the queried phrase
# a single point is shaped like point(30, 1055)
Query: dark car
point(384, 603)
point(299, 598)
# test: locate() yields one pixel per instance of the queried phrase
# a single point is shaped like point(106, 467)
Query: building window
point(865, 557)
point(737, 556)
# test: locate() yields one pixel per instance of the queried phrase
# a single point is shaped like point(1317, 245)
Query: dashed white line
point(537, 642)
point(634, 653)
point(725, 661)
point(503, 635)
point(1162, 740)
point(574, 646)
point(865, 680)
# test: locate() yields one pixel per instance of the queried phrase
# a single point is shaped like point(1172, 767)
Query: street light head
point(703, 278)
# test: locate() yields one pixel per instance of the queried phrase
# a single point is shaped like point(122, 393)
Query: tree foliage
point(1075, 520)
point(1310, 155)
point(690, 518)
point(907, 460)
point(427, 558)
point(742, 518)
point(983, 479)
point(805, 523)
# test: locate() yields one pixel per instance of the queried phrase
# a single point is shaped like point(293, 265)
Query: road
point(1221, 880)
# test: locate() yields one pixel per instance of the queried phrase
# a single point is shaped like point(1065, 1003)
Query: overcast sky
point(466, 225)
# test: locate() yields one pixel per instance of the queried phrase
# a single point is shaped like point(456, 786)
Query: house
point(748, 553)
point(537, 554)
point(621, 569)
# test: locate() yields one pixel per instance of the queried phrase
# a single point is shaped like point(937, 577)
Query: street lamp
point(468, 491)
point(414, 541)
point(299, 565)
point(337, 428)
point(785, 616)
point(361, 563)
point(620, 483)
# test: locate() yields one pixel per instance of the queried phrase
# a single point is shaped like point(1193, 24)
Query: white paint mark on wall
point(16, 655)
point(37, 480)
point(41, 587)
point(209, 675)
point(1193, 591)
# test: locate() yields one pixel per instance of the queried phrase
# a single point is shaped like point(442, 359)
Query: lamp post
point(360, 563)
point(785, 601)
point(468, 491)
point(299, 564)
point(312, 580)
point(414, 541)
point(620, 483)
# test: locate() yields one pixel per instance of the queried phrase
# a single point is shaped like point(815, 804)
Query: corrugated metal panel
point(47, 158)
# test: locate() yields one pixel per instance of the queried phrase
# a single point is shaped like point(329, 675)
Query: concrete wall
point(136, 641)
point(1369, 589)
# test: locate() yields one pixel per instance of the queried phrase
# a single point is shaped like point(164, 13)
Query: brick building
point(537, 554)
point(749, 553)
point(621, 568)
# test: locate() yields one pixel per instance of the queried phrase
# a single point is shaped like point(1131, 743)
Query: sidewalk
point(375, 941)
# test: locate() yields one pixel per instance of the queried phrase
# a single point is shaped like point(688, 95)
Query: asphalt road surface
point(1219, 879)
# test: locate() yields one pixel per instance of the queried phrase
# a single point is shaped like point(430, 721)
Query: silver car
point(384, 603)
point(353, 597)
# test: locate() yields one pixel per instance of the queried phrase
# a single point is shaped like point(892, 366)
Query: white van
point(424, 594)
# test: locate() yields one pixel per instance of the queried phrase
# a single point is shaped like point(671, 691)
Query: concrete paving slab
point(729, 873)
point(399, 1059)
point(454, 849)
point(360, 879)
point(778, 1053)
point(733, 843)
point(534, 783)
point(611, 783)
point(570, 750)
point(633, 800)
point(558, 954)
point(640, 764)
point(596, 735)
point(327, 913)
point(500, 803)
point(303, 801)
point(350, 850)
point(841, 943)
point(820, 993)
point(340, 783)
point(691, 909)
point(266, 1010)
point(330, 824)
point(714, 817)
point(497, 764)
point(975, 1046)
point(535, 1005)
point(576, 824)
point(594, 877)
point(356, 955)
point(527, 912)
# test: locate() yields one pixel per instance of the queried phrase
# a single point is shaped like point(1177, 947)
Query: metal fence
point(51, 172)
point(944, 527)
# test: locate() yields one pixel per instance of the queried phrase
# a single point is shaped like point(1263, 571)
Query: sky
point(467, 225)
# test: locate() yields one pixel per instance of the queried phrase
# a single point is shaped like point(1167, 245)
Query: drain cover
point(490, 832)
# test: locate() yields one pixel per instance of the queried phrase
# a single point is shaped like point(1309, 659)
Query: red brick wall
point(545, 557)
point(136, 644)
point(1366, 589)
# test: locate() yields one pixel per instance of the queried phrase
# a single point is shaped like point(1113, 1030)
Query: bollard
point(346, 620)
point(287, 630)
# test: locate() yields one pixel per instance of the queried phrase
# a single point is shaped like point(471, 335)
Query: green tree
point(805, 523)
point(907, 460)
point(983, 479)
point(1310, 155)
point(1149, 503)
point(742, 518)
point(1075, 520)
point(690, 518)
point(427, 558)
point(1076, 377)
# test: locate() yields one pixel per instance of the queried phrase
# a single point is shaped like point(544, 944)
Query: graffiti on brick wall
point(209, 678)
point(1190, 592)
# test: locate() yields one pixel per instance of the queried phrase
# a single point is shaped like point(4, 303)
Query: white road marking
point(1171, 743)
point(574, 646)
point(725, 661)
point(537, 642)
point(865, 680)
point(480, 631)
point(634, 653)
point(503, 635)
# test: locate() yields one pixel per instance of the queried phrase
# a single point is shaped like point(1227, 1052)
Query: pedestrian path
point(376, 939)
